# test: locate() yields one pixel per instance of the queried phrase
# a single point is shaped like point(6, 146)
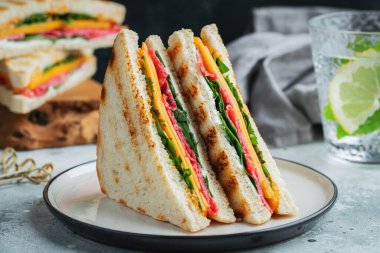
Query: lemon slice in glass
point(354, 92)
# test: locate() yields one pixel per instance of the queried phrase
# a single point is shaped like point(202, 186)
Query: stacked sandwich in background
point(46, 48)
point(176, 140)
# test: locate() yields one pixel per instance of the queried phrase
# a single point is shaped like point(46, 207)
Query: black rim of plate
point(207, 243)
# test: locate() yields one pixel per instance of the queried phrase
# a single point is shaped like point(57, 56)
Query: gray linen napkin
point(274, 70)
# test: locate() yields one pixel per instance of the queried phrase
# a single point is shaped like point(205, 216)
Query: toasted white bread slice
point(10, 49)
point(211, 38)
point(225, 213)
point(14, 11)
point(241, 193)
point(132, 164)
point(22, 104)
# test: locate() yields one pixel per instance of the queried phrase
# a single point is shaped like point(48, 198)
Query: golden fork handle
point(8, 160)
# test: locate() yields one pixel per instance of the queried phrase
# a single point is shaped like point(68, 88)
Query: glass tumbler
point(346, 55)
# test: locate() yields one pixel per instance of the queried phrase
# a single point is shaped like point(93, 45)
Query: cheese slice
point(271, 195)
point(168, 128)
point(42, 77)
point(54, 25)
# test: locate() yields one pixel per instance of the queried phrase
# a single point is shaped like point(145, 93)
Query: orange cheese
point(54, 25)
point(271, 195)
point(41, 77)
point(168, 128)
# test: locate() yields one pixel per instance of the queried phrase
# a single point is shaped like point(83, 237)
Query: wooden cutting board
point(71, 118)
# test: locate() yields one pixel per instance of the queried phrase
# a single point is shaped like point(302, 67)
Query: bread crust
point(22, 105)
point(211, 38)
point(130, 149)
point(240, 191)
point(14, 11)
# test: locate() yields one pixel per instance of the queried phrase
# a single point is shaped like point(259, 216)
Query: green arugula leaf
point(208, 186)
point(229, 128)
point(253, 138)
point(222, 67)
point(68, 59)
point(34, 18)
point(33, 37)
point(159, 58)
point(184, 173)
point(45, 17)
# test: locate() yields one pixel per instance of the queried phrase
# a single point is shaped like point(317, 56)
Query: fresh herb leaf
point(229, 128)
point(339, 62)
point(328, 113)
point(253, 138)
point(159, 58)
point(370, 125)
point(34, 18)
point(208, 186)
point(222, 67)
point(184, 173)
point(33, 37)
point(45, 17)
point(360, 44)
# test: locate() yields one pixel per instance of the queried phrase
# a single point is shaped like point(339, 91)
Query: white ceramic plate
point(75, 198)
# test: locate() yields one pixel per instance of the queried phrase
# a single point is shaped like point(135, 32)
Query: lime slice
point(354, 92)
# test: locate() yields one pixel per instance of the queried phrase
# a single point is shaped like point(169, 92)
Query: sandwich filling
point(56, 26)
point(173, 127)
point(236, 122)
point(50, 77)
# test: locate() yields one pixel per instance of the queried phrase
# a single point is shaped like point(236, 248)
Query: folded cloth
point(274, 70)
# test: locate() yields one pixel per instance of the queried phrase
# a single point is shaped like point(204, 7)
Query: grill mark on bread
point(193, 91)
point(111, 61)
point(183, 70)
point(184, 220)
point(103, 94)
point(141, 210)
point(15, 2)
point(175, 51)
point(127, 168)
point(118, 145)
point(3, 8)
point(123, 202)
point(211, 137)
point(161, 217)
point(102, 189)
point(117, 179)
point(201, 113)
point(221, 161)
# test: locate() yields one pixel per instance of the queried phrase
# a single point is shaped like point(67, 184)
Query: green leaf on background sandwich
point(45, 17)
point(34, 18)
point(68, 59)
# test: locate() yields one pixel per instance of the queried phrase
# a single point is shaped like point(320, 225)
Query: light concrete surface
point(352, 225)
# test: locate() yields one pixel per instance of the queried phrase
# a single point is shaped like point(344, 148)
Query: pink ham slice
point(42, 88)
point(171, 106)
point(88, 33)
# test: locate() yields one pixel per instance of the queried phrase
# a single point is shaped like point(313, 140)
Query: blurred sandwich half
point(27, 82)
point(30, 25)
